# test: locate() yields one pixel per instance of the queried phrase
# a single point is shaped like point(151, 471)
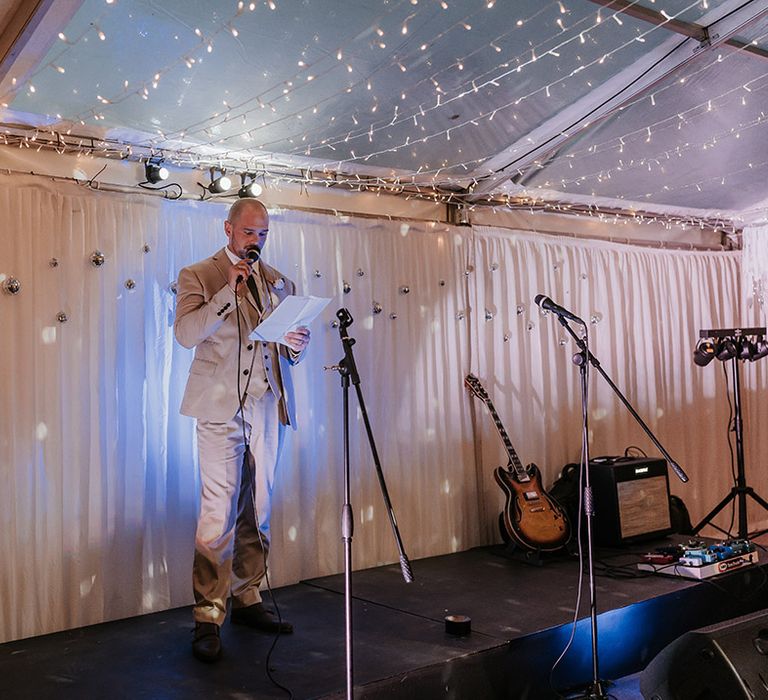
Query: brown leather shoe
point(206, 644)
point(258, 617)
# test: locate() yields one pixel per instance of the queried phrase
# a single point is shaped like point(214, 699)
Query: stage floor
point(520, 623)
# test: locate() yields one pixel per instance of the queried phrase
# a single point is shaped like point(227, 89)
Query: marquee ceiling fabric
point(477, 96)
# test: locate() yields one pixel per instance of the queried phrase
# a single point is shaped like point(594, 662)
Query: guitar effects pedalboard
point(698, 560)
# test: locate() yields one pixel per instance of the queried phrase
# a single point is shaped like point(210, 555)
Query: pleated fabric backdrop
point(99, 471)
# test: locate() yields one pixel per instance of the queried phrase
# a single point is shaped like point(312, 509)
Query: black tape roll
point(459, 625)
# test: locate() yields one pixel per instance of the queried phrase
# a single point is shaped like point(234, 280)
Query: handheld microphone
point(548, 305)
point(251, 256)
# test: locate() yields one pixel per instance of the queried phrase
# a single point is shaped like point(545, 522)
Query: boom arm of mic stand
point(349, 365)
point(596, 364)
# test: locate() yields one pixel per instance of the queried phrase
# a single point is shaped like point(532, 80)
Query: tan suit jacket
point(206, 319)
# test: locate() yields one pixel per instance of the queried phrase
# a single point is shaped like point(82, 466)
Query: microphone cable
point(246, 453)
point(584, 465)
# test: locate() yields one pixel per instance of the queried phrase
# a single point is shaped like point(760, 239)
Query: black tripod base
point(594, 691)
point(738, 494)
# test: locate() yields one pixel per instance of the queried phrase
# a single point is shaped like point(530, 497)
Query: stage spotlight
point(252, 189)
point(747, 349)
point(219, 184)
point(154, 173)
point(726, 350)
point(761, 349)
point(704, 352)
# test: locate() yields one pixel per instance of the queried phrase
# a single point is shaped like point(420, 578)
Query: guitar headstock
point(473, 384)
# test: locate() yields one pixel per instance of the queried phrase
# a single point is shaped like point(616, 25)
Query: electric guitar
point(531, 518)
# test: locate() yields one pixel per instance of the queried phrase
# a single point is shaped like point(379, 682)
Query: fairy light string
point(468, 87)
point(437, 183)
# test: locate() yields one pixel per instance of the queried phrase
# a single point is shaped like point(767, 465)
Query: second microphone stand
point(583, 359)
point(347, 368)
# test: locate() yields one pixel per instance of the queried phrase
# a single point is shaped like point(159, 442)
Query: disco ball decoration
point(11, 285)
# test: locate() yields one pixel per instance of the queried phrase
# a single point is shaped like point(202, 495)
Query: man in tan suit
point(241, 394)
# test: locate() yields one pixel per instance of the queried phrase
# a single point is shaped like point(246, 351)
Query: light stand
point(347, 368)
point(733, 344)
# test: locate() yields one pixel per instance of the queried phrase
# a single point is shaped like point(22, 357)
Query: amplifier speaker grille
point(631, 499)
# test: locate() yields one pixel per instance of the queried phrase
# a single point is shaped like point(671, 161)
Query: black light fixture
point(219, 184)
point(155, 172)
point(726, 350)
point(747, 349)
point(730, 344)
point(251, 189)
point(761, 349)
point(704, 352)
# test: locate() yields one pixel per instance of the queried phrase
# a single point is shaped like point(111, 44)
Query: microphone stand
point(595, 690)
point(583, 359)
point(347, 368)
point(596, 364)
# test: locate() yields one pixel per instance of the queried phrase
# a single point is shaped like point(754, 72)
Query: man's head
point(247, 226)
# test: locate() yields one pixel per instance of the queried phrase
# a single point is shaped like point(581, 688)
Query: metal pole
point(347, 530)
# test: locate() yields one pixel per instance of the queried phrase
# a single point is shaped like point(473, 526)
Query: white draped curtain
point(644, 309)
point(99, 492)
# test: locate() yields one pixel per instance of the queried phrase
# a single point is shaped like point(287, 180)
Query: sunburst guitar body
point(531, 518)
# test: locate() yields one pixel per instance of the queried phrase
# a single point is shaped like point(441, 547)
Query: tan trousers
point(232, 539)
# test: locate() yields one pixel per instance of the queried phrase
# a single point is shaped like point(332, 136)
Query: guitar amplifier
point(631, 499)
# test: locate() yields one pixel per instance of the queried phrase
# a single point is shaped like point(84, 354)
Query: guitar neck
point(514, 460)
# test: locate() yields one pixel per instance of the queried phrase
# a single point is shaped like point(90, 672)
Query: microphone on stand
point(548, 305)
point(251, 256)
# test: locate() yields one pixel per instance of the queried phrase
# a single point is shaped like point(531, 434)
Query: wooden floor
point(520, 619)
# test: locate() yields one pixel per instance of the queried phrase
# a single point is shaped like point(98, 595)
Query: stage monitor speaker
point(727, 661)
point(631, 499)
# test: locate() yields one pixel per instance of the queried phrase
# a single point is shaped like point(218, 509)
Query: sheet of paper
point(292, 312)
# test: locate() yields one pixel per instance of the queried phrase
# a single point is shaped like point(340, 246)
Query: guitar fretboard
point(477, 389)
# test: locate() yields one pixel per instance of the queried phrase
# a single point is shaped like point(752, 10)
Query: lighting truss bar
point(730, 332)
point(17, 135)
point(722, 226)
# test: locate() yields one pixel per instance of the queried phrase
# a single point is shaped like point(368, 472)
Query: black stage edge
point(520, 623)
